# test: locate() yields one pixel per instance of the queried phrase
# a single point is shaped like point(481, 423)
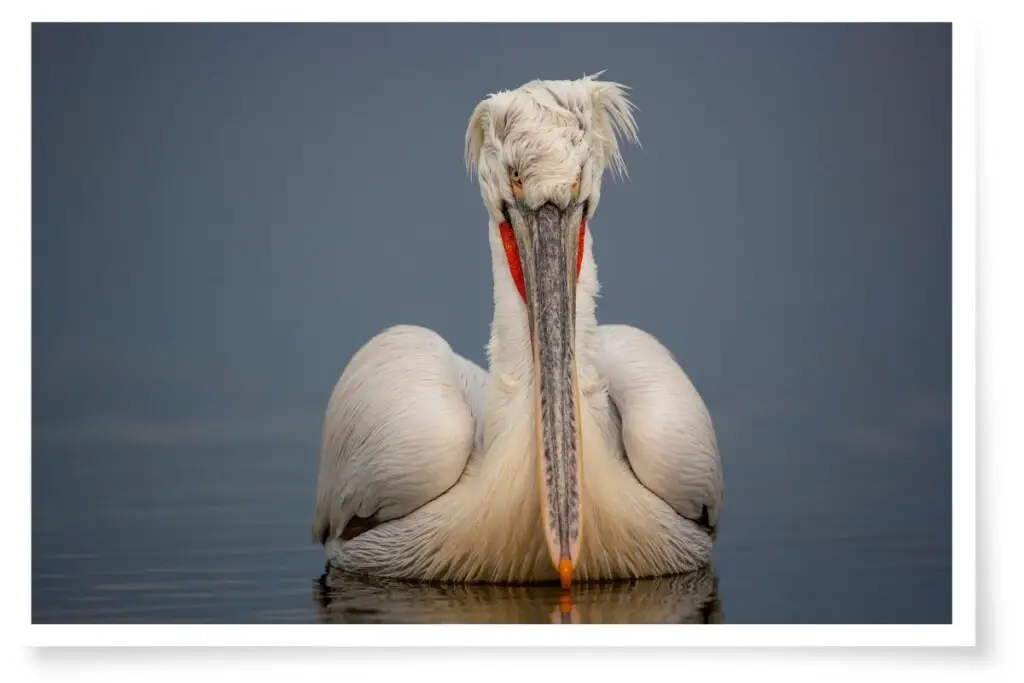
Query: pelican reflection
point(690, 598)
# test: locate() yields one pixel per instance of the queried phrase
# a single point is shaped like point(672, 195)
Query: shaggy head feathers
point(553, 133)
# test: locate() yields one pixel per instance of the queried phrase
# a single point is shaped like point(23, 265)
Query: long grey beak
point(548, 242)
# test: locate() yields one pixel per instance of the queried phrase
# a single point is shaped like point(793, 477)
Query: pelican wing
point(665, 427)
point(399, 428)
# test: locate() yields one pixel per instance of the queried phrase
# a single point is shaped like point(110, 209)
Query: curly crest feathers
point(553, 117)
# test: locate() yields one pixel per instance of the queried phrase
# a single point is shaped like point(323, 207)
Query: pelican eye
point(516, 181)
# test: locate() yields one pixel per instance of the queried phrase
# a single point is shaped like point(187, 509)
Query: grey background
point(223, 214)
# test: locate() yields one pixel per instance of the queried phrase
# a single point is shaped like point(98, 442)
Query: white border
point(521, 11)
point(961, 632)
point(964, 296)
point(595, 636)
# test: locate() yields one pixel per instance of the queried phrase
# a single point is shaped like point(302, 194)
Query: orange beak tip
point(565, 572)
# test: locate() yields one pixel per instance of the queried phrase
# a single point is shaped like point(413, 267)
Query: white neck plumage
point(509, 351)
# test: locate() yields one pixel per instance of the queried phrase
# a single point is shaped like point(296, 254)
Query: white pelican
point(583, 451)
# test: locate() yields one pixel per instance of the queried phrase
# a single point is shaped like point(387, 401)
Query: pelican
point(583, 452)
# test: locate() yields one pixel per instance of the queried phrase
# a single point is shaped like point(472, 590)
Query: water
point(219, 533)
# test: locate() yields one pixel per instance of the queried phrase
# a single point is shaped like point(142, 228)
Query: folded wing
point(398, 431)
point(666, 429)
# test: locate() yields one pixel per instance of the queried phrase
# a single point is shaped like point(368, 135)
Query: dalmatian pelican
point(583, 451)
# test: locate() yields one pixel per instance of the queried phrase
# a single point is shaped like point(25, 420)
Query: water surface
point(220, 534)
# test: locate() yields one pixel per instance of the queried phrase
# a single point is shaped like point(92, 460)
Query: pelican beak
point(548, 242)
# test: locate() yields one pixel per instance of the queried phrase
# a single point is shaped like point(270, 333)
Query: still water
point(219, 533)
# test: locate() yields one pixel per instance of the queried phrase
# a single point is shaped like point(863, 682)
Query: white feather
point(443, 452)
point(398, 429)
point(666, 429)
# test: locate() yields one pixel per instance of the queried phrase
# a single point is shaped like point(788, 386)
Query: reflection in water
point(685, 599)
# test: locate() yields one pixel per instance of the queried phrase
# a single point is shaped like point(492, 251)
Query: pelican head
point(540, 152)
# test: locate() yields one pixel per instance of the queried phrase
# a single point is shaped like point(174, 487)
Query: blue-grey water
point(223, 214)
